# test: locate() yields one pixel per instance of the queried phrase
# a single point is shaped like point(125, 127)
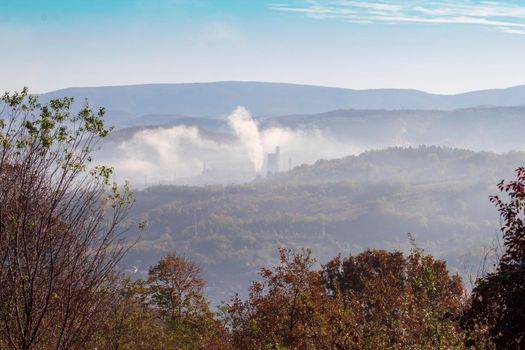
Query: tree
point(497, 303)
point(391, 301)
point(60, 223)
point(176, 292)
point(285, 310)
point(375, 300)
point(129, 323)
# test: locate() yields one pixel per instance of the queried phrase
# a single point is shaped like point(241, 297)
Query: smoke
point(305, 146)
point(248, 133)
point(187, 155)
point(195, 156)
point(162, 155)
point(400, 138)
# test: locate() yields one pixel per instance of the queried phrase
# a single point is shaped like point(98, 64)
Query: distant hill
point(217, 99)
point(422, 164)
point(339, 206)
point(326, 119)
point(497, 129)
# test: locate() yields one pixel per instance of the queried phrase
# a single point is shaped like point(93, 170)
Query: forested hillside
point(421, 164)
point(345, 205)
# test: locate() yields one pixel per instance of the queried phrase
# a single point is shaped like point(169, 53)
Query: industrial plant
point(273, 160)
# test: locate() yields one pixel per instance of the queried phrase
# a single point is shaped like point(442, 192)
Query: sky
point(440, 46)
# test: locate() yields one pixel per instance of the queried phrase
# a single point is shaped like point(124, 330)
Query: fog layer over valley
point(234, 149)
point(189, 154)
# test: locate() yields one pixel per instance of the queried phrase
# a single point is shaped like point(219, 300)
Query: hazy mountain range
point(217, 99)
point(179, 134)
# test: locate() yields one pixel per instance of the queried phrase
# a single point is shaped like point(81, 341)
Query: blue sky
point(437, 46)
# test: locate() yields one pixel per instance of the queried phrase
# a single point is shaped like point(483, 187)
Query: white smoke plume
point(186, 155)
point(165, 155)
point(306, 146)
point(247, 130)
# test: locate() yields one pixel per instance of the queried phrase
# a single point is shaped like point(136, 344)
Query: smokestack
point(274, 160)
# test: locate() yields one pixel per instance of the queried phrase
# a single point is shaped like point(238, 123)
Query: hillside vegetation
point(345, 205)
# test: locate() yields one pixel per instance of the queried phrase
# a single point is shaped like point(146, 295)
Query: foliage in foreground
point(60, 224)
point(498, 299)
point(166, 311)
point(375, 300)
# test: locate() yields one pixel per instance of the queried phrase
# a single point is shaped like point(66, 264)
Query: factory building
point(272, 164)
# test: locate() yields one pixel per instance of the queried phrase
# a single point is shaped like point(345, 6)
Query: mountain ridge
point(218, 99)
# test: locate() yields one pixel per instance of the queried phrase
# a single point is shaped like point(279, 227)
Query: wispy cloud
point(511, 30)
point(501, 16)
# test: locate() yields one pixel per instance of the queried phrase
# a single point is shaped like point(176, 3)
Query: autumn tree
point(176, 292)
point(374, 300)
point(129, 323)
point(391, 301)
point(498, 300)
point(60, 223)
point(284, 310)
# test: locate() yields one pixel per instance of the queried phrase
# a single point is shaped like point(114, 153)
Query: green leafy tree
point(60, 223)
